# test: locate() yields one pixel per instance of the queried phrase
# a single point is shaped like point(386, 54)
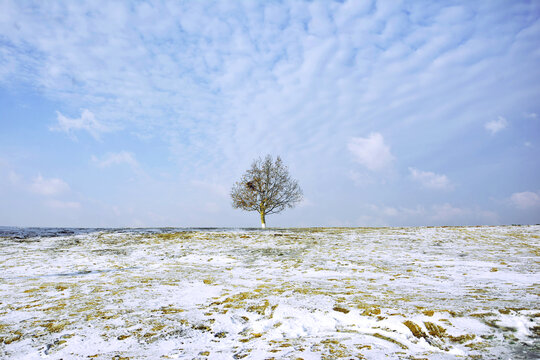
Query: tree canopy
point(266, 188)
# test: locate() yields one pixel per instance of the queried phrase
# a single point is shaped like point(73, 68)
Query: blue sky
point(388, 113)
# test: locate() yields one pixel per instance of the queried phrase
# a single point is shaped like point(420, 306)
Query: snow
point(437, 293)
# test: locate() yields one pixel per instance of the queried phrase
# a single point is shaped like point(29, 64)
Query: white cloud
point(392, 211)
point(452, 215)
point(48, 187)
point(495, 126)
point(305, 203)
point(447, 212)
point(86, 122)
point(430, 180)
point(110, 159)
point(525, 200)
point(58, 204)
point(211, 207)
point(212, 187)
point(531, 115)
point(436, 214)
point(13, 177)
point(371, 152)
point(361, 178)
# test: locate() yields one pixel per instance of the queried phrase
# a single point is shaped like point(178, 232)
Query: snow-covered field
point(395, 293)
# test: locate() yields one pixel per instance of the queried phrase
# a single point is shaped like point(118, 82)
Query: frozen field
point(391, 293)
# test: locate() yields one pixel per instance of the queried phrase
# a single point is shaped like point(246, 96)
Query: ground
point(318, 293)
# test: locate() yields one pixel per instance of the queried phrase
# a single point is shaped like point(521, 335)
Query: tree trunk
point(263, 223)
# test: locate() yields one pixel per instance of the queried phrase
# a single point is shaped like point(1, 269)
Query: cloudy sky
point(386, 112)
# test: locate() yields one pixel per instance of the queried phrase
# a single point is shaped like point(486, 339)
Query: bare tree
point(266, 188)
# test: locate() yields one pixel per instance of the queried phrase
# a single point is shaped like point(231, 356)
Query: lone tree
point(267, 188)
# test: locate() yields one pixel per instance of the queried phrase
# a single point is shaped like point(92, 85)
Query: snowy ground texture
point(393, 293)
